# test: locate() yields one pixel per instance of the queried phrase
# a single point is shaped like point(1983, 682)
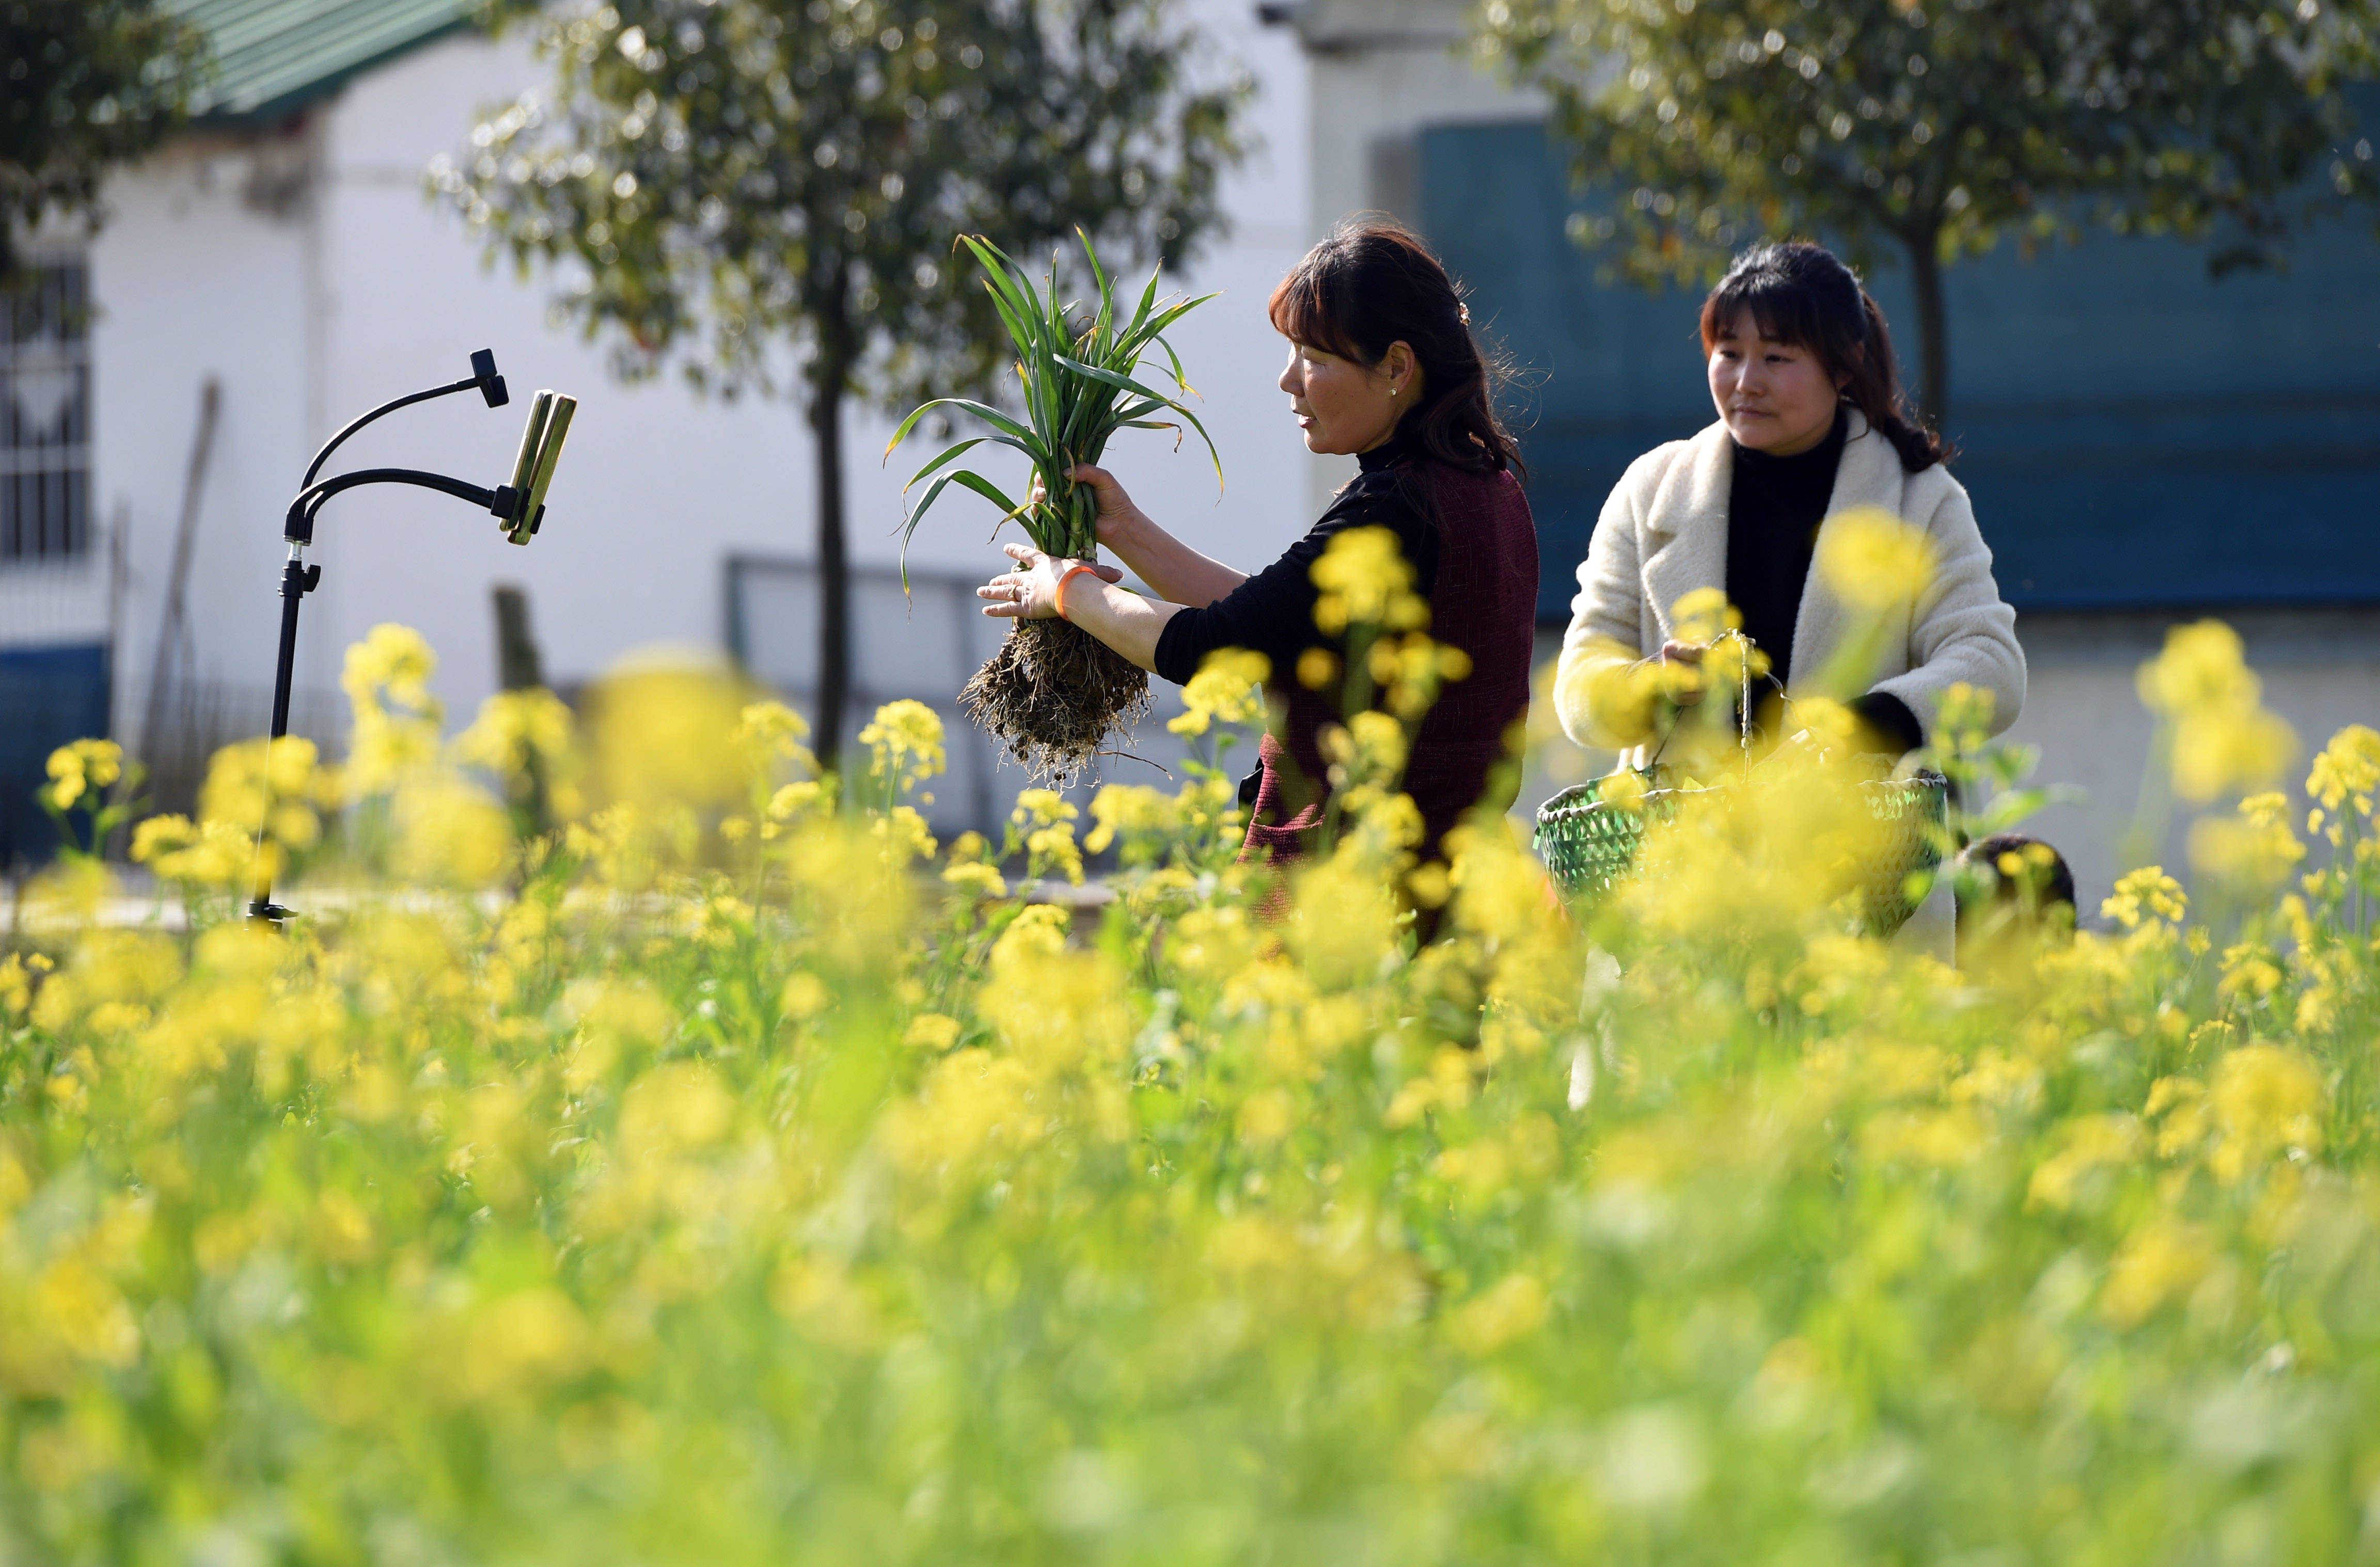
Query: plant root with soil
point(1053, 696)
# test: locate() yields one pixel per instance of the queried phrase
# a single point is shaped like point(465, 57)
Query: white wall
point(361, 289)
point(190, 279)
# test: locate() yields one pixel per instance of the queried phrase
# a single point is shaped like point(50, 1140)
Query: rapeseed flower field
point(645, 1153)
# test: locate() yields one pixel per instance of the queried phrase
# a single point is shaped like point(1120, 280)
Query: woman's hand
point(1119, 518)
point(1030, 592)
point(1674, 660)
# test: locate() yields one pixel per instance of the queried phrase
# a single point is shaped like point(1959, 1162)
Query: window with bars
point(45, 417)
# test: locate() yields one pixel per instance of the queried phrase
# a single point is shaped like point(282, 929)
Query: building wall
point(309, 273)
point(206, 269)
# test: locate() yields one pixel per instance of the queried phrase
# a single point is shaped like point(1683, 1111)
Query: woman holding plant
point(1812, 453)
point(1382, 368)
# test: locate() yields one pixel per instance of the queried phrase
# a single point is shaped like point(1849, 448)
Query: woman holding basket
point(1811, 426)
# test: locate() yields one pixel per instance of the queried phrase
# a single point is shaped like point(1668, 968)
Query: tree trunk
point(833, 569)
point(1933, 325)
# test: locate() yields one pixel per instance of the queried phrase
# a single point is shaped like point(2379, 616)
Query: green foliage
point(84, 85)
point(753, 174)
point(1935, 131)
point(1079, 388)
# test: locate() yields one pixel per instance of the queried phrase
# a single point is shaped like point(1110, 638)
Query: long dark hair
point(1800, 294)
point(1372, 285)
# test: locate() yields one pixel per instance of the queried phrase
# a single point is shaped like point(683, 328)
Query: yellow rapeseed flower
point(397, 721)
point(973, 1103)
point(2223, 737)
point(772, 735)
point(906, 738)
point(2264, 1098)
point(977, 877)
point(804, 996)
point(1704, 615)
point(449, 831)
point(2158, 1263)
point(162, 835)
point(15, 985)
point(83, 766)
point(526, 738)
point(1874, 560)
point(216, 854)
point(2258, 845)
point(250, 778)
point(2252, 971)
point(1046, 822)
point(2091, 1143)
point(2204, 664)
point(515, 1345)
point(904, 836)
point(1365, 580)
point(1370, 749)
point(1228, 688)
point(1134, 812)
point(663, 727)
point(931, 1031)
point(2347, 768)
point(1515, 1306)
point(2144, 896)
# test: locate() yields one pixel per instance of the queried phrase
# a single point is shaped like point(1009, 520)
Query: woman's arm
point(1595, 694)
point(1123, 619)
point(1177, 573)
point(1960, 630)
point(1271, 612)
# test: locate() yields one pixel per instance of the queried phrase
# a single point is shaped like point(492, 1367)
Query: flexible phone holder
point(518, 507)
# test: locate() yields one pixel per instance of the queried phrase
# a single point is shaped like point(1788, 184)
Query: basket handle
point(1747, 647)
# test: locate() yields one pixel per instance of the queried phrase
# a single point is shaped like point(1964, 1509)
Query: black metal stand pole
point(517, 506)
point(297, 579)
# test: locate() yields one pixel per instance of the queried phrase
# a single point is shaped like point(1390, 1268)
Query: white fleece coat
point(1663, 534)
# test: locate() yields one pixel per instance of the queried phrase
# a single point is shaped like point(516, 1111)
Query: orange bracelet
point(1058, 595)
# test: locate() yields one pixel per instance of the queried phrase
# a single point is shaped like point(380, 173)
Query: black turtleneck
point(1773, 507)
point(1272, 612)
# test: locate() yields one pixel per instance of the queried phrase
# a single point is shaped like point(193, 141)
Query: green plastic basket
point(1590, 844)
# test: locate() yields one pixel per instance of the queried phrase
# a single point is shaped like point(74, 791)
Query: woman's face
point(1775, 397)
point(1345, 408)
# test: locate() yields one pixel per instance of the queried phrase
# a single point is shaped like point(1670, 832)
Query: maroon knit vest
point(1485, 602)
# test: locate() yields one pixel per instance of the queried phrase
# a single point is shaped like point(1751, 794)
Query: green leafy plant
point(1052, 693)
point(1080, 388)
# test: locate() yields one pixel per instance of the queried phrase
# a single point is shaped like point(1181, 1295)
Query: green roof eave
point(272, 57)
